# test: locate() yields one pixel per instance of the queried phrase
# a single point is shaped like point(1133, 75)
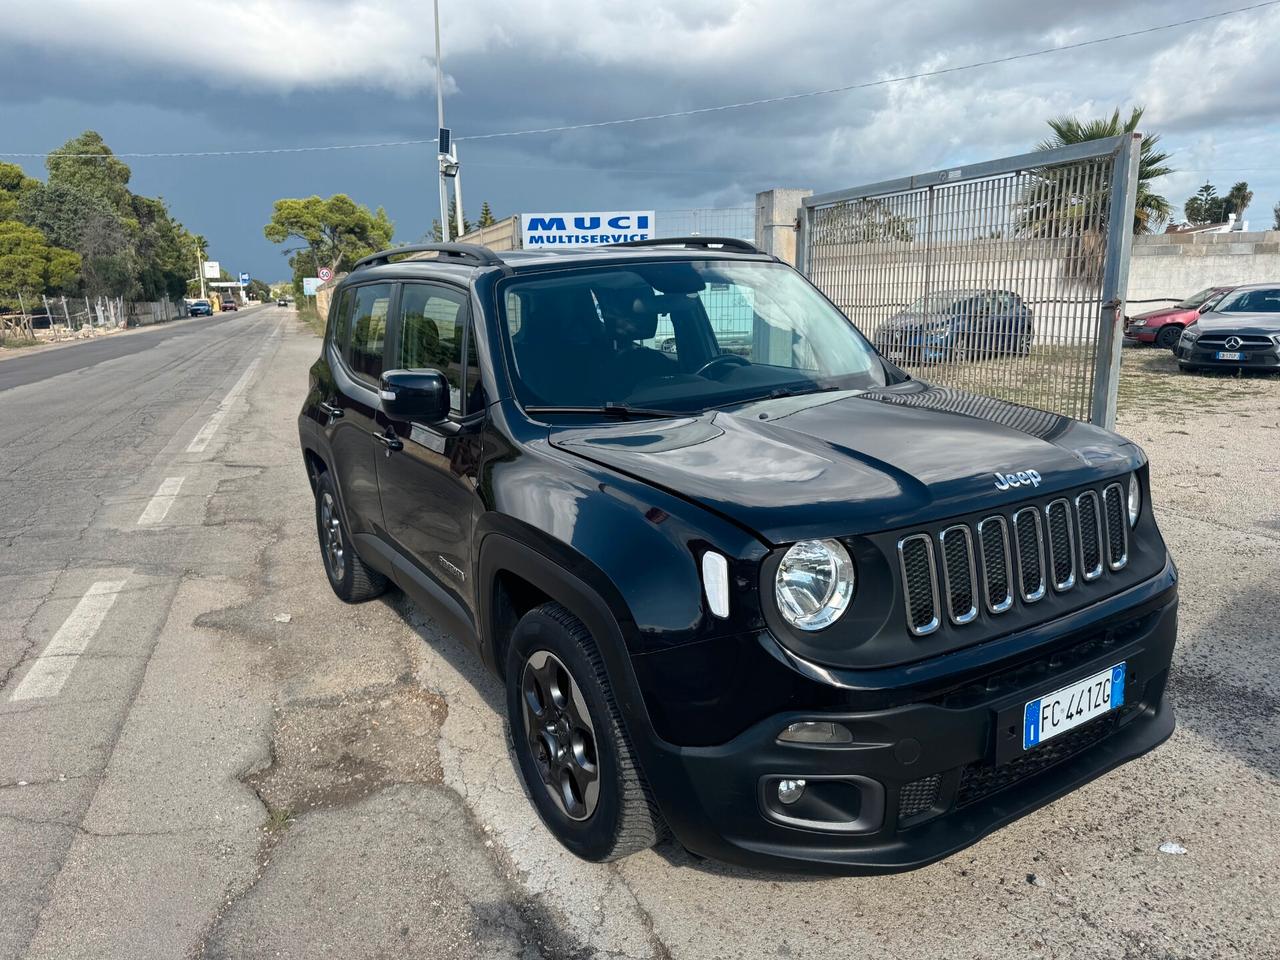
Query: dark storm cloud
point(307, 72)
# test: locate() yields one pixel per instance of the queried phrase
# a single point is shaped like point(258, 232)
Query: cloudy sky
point(198, 75)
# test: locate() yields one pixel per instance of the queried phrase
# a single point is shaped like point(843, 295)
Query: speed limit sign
point(325, 274)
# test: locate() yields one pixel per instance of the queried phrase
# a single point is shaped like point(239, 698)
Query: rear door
point(356, 360)
point(429, 483)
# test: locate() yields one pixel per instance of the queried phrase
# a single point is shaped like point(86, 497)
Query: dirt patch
point(334, 752)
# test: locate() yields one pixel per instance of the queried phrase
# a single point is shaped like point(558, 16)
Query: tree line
point(82, 232)
point(335, 232)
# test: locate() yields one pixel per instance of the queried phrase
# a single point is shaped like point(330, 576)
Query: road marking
point(158, 508)
point(54, 665)
point(205, 433)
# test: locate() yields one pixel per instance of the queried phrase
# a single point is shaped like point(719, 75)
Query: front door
point(354, 356)
point(428, 486)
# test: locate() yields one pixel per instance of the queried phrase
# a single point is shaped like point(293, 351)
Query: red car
point(1163, 327)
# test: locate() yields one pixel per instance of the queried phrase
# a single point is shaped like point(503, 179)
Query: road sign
point(310, 285)
point(325, 274)
point(212, 269)
point(244, 279)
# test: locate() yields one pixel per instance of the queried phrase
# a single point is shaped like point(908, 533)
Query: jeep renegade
point(747, 583)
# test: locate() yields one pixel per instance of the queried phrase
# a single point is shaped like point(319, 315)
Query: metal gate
point(1004, 278)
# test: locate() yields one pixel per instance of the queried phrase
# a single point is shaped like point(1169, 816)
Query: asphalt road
point(204, 754)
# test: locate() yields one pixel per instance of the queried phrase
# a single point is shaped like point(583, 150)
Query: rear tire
point(571, 746)
point(1167, 338)
point(350, 578)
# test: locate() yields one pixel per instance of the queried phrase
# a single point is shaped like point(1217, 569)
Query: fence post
point(1115, 280)
point(778, 212)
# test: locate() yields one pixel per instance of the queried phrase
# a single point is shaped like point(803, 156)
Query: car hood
point(1264, 323)
point(836, 464)
point(1168, 314)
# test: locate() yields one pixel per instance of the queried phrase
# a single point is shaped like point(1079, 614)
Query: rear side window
point(369, 329)
point(432, 320)
point(340, 320)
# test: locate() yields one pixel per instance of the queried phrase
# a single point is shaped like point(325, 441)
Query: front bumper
point(913, 348)
point(923, 779)
point(1257, 356)
point(1143, 334)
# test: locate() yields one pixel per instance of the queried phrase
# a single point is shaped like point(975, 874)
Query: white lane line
point(205, 433)
point(158, 508)
point(54, 665)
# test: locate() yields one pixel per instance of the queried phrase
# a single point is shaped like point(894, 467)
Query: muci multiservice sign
point(585, 229)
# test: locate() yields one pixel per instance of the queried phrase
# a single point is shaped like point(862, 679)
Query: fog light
point(789, 791)
point(816, 731)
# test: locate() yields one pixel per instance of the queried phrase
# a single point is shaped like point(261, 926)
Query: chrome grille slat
point(1028, 535)
point(1062, 545)
point(919, 583)
point(1113, 500)
point(1089, 517)
point(997, 563)
point(959, 577)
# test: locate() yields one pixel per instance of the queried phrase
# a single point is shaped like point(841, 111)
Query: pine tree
point(487, 219)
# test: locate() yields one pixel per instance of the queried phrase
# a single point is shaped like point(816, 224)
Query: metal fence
point(736, 222)
point(1003, 278)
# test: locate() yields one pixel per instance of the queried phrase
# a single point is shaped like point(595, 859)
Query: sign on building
point(585, 229)
point(212, 269)
point(310, 285)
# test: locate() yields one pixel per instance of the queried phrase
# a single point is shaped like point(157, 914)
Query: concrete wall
point(1167, 267)
point(503, 235)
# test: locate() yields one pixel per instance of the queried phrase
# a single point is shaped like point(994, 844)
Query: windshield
point(1266, 300)
point(939, 302)
point(685, 336)
point(1197, 299)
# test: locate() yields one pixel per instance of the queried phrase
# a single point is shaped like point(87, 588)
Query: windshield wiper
point(622, 411)
point(780, 392)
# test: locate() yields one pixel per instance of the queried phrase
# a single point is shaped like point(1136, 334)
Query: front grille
point(1113, 500)
point(958, 574)
point(1008, 557)
point(982, 779)
point(1090, 534)
point(1062, 546)
point(1217, 341)
point(918, 796)
point(920, 583)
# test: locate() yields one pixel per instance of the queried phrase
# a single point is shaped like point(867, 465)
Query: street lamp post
point(441, 151)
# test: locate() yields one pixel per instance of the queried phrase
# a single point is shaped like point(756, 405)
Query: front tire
point(571, 747)
point(1167, 338)
point(351, 579)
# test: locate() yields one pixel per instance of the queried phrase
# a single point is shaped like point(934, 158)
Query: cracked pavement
point(239, 765)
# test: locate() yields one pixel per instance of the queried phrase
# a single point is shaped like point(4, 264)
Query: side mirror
point(421, 395)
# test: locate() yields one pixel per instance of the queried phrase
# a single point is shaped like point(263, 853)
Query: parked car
point(793, 608)
point(282, 302)
point(229, 303)
point(956, 326)
point(1163, 327)
point(1242, 331)
point(200, 308)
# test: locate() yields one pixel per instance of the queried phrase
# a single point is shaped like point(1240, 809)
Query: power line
point(697, 111)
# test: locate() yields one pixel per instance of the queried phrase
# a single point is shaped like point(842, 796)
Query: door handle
point(332, 412)
point(389, 440)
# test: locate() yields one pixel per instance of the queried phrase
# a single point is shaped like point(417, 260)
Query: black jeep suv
point(779, 601)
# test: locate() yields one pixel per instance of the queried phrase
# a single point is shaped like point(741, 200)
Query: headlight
point(1135, 499)
point(814, 583)
point(1190, 335)
point(1138, 323)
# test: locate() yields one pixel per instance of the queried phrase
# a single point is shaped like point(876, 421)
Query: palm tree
point(1151, 210)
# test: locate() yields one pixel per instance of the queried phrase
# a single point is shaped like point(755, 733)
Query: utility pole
point(441, 149)
point(457, 188)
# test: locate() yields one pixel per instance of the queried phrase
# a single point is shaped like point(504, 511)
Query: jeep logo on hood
point(1020, 479)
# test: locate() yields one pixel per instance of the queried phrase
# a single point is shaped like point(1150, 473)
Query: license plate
point(1054, 713)
point(895, 354)
point(1229, 355)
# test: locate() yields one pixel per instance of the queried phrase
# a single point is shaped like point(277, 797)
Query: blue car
point(956, 326)
point(200, 308)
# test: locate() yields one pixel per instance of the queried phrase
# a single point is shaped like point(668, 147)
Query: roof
point(462, 260)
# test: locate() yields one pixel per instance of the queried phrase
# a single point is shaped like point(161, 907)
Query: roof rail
point(471, 252)
point(727, 243)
